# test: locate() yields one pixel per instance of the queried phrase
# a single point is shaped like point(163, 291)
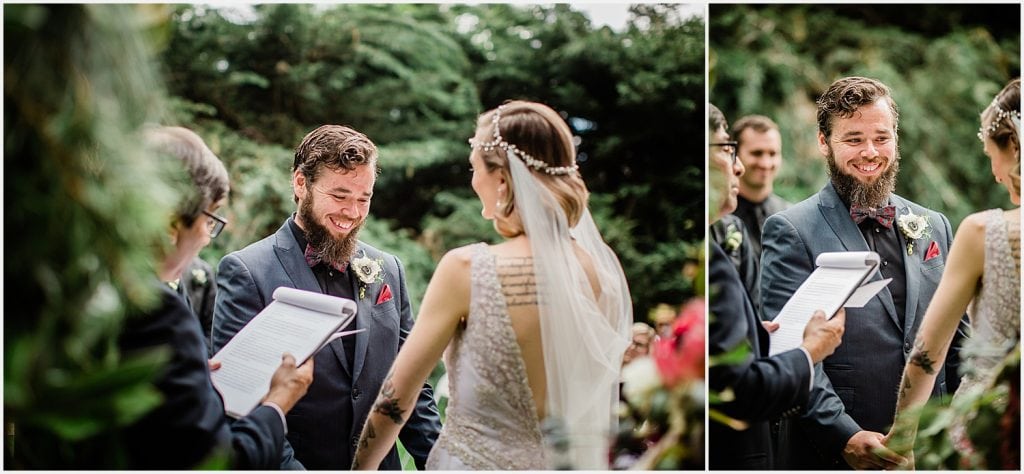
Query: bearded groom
point(854, 396)
point(316, 249)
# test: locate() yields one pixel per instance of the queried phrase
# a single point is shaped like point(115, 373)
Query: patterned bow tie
point(884, 215)
point(313, 259)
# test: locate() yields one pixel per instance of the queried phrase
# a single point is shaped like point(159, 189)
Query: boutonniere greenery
point(913, 227)
point(369, 271)
point(733, 238)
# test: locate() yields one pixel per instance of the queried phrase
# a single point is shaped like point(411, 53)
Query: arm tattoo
point(387, 402)
point(921, 359)
point(905, 389)
point(369, 434)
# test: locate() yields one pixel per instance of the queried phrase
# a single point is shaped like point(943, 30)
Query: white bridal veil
point(583, 337)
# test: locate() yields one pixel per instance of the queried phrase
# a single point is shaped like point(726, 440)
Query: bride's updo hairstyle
point(1000, 122)
point(542, 140)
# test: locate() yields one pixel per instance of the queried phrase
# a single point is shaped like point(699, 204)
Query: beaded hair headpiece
point(530, 161)
point(1013, 115)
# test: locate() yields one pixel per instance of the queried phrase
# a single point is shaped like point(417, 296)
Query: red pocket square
point(385, 295)
point(933, 251)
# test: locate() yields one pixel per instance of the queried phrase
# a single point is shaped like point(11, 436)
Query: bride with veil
point(533, 329)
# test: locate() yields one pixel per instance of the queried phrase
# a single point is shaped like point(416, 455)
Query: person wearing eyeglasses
point(643, 334)
point(197, 285)
point(189, 426)
point(732, 234)
point(762, 388)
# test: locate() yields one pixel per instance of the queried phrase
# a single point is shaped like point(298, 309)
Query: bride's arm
point(959, 281)
point(444, 304)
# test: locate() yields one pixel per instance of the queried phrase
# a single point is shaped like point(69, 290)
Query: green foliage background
point(414, 78)
point(87, 209)
point(84, 210)
point(944, 63)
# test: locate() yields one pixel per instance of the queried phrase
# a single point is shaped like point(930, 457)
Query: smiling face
point(333, 208)
point(862, 155)
point(761, 154)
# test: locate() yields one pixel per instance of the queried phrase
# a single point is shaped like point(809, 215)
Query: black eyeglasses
point(215, 223)
point(731, 147)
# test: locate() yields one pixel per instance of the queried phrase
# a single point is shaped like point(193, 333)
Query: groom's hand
point(822, 336)
point(866, 450)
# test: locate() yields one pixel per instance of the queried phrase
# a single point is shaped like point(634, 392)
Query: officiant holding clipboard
point(190, 422)
point(762, 388)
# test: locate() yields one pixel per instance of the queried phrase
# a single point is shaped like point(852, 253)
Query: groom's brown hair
point(848, 94)
point(335, 147)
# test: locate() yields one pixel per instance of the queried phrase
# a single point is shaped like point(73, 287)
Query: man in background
point(759, 145)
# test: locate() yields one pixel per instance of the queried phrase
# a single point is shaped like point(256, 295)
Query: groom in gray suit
point(854, 397)
point(316, 249)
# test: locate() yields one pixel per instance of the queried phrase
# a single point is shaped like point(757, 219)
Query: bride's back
point(514, 264)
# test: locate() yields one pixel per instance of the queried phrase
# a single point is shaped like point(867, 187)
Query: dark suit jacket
point(764, 387)
point(190, 424)
point(753, 220)
point(198, 283)
point(855, 388)
point(742, 256)
point(325, 425)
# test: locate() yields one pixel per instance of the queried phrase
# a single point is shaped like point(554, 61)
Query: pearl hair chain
point(530, 161)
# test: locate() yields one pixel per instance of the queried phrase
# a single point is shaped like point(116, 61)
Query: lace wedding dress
point(994, 313)
point(491, 418)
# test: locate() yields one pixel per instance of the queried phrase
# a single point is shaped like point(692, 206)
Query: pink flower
point(680, 356)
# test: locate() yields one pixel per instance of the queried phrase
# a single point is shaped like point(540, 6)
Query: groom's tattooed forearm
point(920, 358)
point(387, 402)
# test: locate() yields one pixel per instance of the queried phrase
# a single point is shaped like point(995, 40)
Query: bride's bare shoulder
point(972, 227)
point(459, 256)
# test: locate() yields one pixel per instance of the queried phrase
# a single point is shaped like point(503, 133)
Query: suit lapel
point(838, 218)
point(911, 268)
point(837, 215)
point(364, 316)
point(294, 263)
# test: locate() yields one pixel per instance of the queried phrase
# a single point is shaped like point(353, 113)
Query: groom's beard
point(855, 192)
point(336, 250)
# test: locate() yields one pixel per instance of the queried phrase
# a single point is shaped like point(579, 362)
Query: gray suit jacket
point(324, 426)
point(855, 388)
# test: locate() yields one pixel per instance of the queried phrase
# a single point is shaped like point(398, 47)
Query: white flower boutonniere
point(369, 271)
point(733, 238)
point(199, 276)
point(913, 227)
